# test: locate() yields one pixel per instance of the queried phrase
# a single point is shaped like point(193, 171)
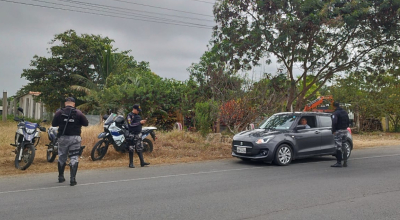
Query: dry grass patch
point(170, 147)
point(375, 139)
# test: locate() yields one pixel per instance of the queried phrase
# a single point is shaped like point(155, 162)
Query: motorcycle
point(52, 147)
point(26, 139)
point(116, 134)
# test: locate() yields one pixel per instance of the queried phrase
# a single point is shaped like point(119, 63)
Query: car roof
point(305, 113)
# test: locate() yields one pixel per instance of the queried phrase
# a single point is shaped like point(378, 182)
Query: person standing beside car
point(69, 121)
point(135, 123)
point(340, 122)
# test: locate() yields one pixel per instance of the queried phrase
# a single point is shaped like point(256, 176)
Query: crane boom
point(315, 104)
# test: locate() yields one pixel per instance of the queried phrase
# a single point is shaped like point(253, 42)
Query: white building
point(32, 109)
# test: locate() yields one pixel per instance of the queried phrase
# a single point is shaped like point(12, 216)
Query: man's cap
point(336, 104)
point(69, 99)
point(137, 107)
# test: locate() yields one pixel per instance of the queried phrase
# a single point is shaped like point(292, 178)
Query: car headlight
point(263, 140)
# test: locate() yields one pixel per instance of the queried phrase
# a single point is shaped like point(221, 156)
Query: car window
point(279, 122)
point(311, 121)
point(325, 121)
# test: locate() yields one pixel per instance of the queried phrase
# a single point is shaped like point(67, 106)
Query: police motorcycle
point(26, 139)
point(52, 147)
point(116, 133)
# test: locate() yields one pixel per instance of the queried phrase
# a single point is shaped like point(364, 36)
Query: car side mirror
point(300, 127)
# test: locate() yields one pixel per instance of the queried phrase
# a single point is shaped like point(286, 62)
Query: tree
point(215, 81)
point(371, 96)
point(70, 55)
point(320, 38)
point(111, 63)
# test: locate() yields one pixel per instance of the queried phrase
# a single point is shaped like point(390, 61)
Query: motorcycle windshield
point(110, 119)
point(30, 127)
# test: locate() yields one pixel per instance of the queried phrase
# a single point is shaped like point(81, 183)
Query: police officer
point(340, 122)
point(135, 123)
point(69, 121)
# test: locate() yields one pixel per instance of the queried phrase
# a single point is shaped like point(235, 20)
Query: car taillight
point(349, 129)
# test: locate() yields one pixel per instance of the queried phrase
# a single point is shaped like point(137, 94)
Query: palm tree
point(109, 63)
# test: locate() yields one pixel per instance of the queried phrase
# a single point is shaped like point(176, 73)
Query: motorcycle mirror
point(42, 129)
point(16, 119)
point(21, 109)
point(44, 120)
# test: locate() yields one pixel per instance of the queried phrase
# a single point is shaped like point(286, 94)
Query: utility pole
point(5, 106)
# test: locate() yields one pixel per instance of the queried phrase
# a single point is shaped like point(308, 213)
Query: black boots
point(73, 170)
point(61, 169)
point(338, 158)
point(142, 163)
point(131, 160)
point(345, 158)
point(338, 164)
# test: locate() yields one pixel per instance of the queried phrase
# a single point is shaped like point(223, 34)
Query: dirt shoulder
point(169, 148)
point(375, 140)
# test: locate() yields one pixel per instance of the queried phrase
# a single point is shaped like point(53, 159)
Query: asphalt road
point(227, 189)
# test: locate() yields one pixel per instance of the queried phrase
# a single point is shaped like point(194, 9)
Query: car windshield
point(279, 122)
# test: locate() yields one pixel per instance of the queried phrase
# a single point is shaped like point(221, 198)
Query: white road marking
point(127, 180)
point(168, 176)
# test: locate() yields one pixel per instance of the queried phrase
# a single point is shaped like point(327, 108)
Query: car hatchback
point(281, 138)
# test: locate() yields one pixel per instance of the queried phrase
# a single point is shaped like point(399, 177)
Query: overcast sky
point(26, 30)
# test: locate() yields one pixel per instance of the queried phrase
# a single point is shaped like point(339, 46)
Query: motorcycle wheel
point(28, 155)
point(99, 150)
point(147, 145)
point(51, 155)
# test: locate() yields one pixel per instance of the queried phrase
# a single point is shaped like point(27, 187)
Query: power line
point(129, 9)
point(203, 1)
point(85, 12)
point(129, 14)
point(169, 9)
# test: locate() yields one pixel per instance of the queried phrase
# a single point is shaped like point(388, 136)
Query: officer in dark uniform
point(340, 123)
point(135, 123)
point(69, 121)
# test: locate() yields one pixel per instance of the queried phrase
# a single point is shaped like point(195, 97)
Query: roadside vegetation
point(169, 148)
point(348, 50)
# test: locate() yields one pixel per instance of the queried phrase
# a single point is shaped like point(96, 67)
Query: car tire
point(283, 155)
point(348, 146)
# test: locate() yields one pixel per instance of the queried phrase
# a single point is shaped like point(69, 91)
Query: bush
point(206, 114)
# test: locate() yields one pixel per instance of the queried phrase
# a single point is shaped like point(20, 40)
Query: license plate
point(241, 150)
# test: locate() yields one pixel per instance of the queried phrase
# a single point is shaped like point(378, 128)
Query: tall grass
point(170, 147)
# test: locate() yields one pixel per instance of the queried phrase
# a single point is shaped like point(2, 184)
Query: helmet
point(119, 119)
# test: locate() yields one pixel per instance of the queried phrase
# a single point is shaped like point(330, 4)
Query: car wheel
point(283, 155)
point(347, 145)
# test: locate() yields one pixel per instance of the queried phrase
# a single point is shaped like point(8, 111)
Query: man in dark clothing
point(135, 123)
point(340, 122)
point(69, 121)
